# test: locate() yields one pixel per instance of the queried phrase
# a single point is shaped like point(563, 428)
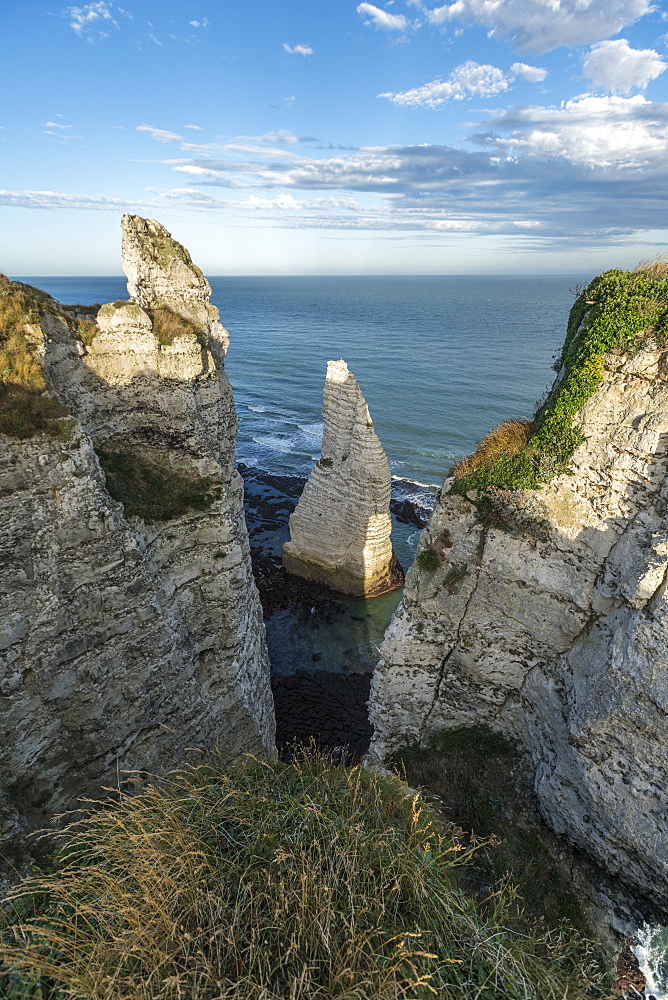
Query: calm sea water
point(439, 359)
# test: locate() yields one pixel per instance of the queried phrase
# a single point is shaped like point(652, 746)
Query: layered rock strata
point(130, 625)
point(556, 632)
point(340, 530)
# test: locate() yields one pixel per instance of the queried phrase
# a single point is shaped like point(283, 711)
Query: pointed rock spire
point(340, 530)
point(161, 274)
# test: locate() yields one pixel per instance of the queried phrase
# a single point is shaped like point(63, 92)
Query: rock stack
point(340, 531)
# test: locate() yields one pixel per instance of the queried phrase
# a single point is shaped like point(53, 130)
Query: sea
point(440, 359)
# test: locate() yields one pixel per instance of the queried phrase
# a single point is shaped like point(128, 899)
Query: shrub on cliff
point(25, 404)
point(617, 312)
point(271, 881)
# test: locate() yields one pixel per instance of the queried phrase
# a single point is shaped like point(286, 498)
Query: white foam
point(652, 954)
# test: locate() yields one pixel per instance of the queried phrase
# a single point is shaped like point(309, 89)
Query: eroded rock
point(131, 625)
point(340, 531)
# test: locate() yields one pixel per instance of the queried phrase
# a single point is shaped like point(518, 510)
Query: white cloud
point(468, 80)
point(196, 128)
point(542, 25)
point(534, 74)
point(55, 199)
point(160, 134)
point(298, 50)
point(381, 19)
point(94, 20)
point(623, 134)
point(55, 125)
point(615, 66)
point(204, 23)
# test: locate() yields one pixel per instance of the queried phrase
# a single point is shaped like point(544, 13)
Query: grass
point(428, 560)
point(617, 312)
point(149, 487)
point(167, 324)
point(87, 330)
point(273, 881)
point(478, 778)
point(26, 407)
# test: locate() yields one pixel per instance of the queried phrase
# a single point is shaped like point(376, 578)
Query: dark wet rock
point(322, 707)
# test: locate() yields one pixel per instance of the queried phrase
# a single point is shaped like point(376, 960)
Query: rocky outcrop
point(130, 625)
point(340, 531)
point(552, 627)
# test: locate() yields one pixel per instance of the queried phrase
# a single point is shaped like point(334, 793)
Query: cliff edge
point(130, 625)
point(537, 602)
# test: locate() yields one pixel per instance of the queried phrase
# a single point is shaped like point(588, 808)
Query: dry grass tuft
point(87, 330)
point(504, 441)
point(25, 406)
point(657, 268)
point(167, 324)
point(272, 881)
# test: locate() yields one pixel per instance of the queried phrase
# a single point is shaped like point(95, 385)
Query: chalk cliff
point(130, 625)
point(543, 612)
point(340, 530)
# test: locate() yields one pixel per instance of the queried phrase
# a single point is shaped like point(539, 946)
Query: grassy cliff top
point(617, 313)
point(26, 407)
point(270, 881)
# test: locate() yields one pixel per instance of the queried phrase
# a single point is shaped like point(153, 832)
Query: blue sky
point(300, 137)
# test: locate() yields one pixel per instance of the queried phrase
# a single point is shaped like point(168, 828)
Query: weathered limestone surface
point(559, 639)
point(160, 272)
point(340, 530)
point(122, 642)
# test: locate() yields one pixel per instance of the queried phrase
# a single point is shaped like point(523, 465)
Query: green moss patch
point(271, 881)
point(148, 486)
point(617, 312)
point(428, 560)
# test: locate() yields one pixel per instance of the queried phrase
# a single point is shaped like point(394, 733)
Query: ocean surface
point(440, 360)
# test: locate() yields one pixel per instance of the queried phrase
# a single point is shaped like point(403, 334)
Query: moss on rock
point(150, 487)
point(617, 312)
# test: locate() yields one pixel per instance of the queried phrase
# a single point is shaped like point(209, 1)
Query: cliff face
point(130, 626)
point(340, 531)
point(544, 613)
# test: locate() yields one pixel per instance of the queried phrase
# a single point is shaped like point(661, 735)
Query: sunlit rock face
point(340, 530)
point(558, 638)
point(130, 625)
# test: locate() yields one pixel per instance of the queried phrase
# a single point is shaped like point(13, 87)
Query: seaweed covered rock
point(537, 603)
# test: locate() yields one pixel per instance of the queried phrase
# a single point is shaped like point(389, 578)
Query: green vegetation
point(26, 407)
point(148, 486)
point(87, 330)
point(271, 881)
point(326, 463)
point(428, 560)
point(167, 324)
point(481, 787)
point(617, 312)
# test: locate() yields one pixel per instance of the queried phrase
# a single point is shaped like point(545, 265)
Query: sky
point(311, 137)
